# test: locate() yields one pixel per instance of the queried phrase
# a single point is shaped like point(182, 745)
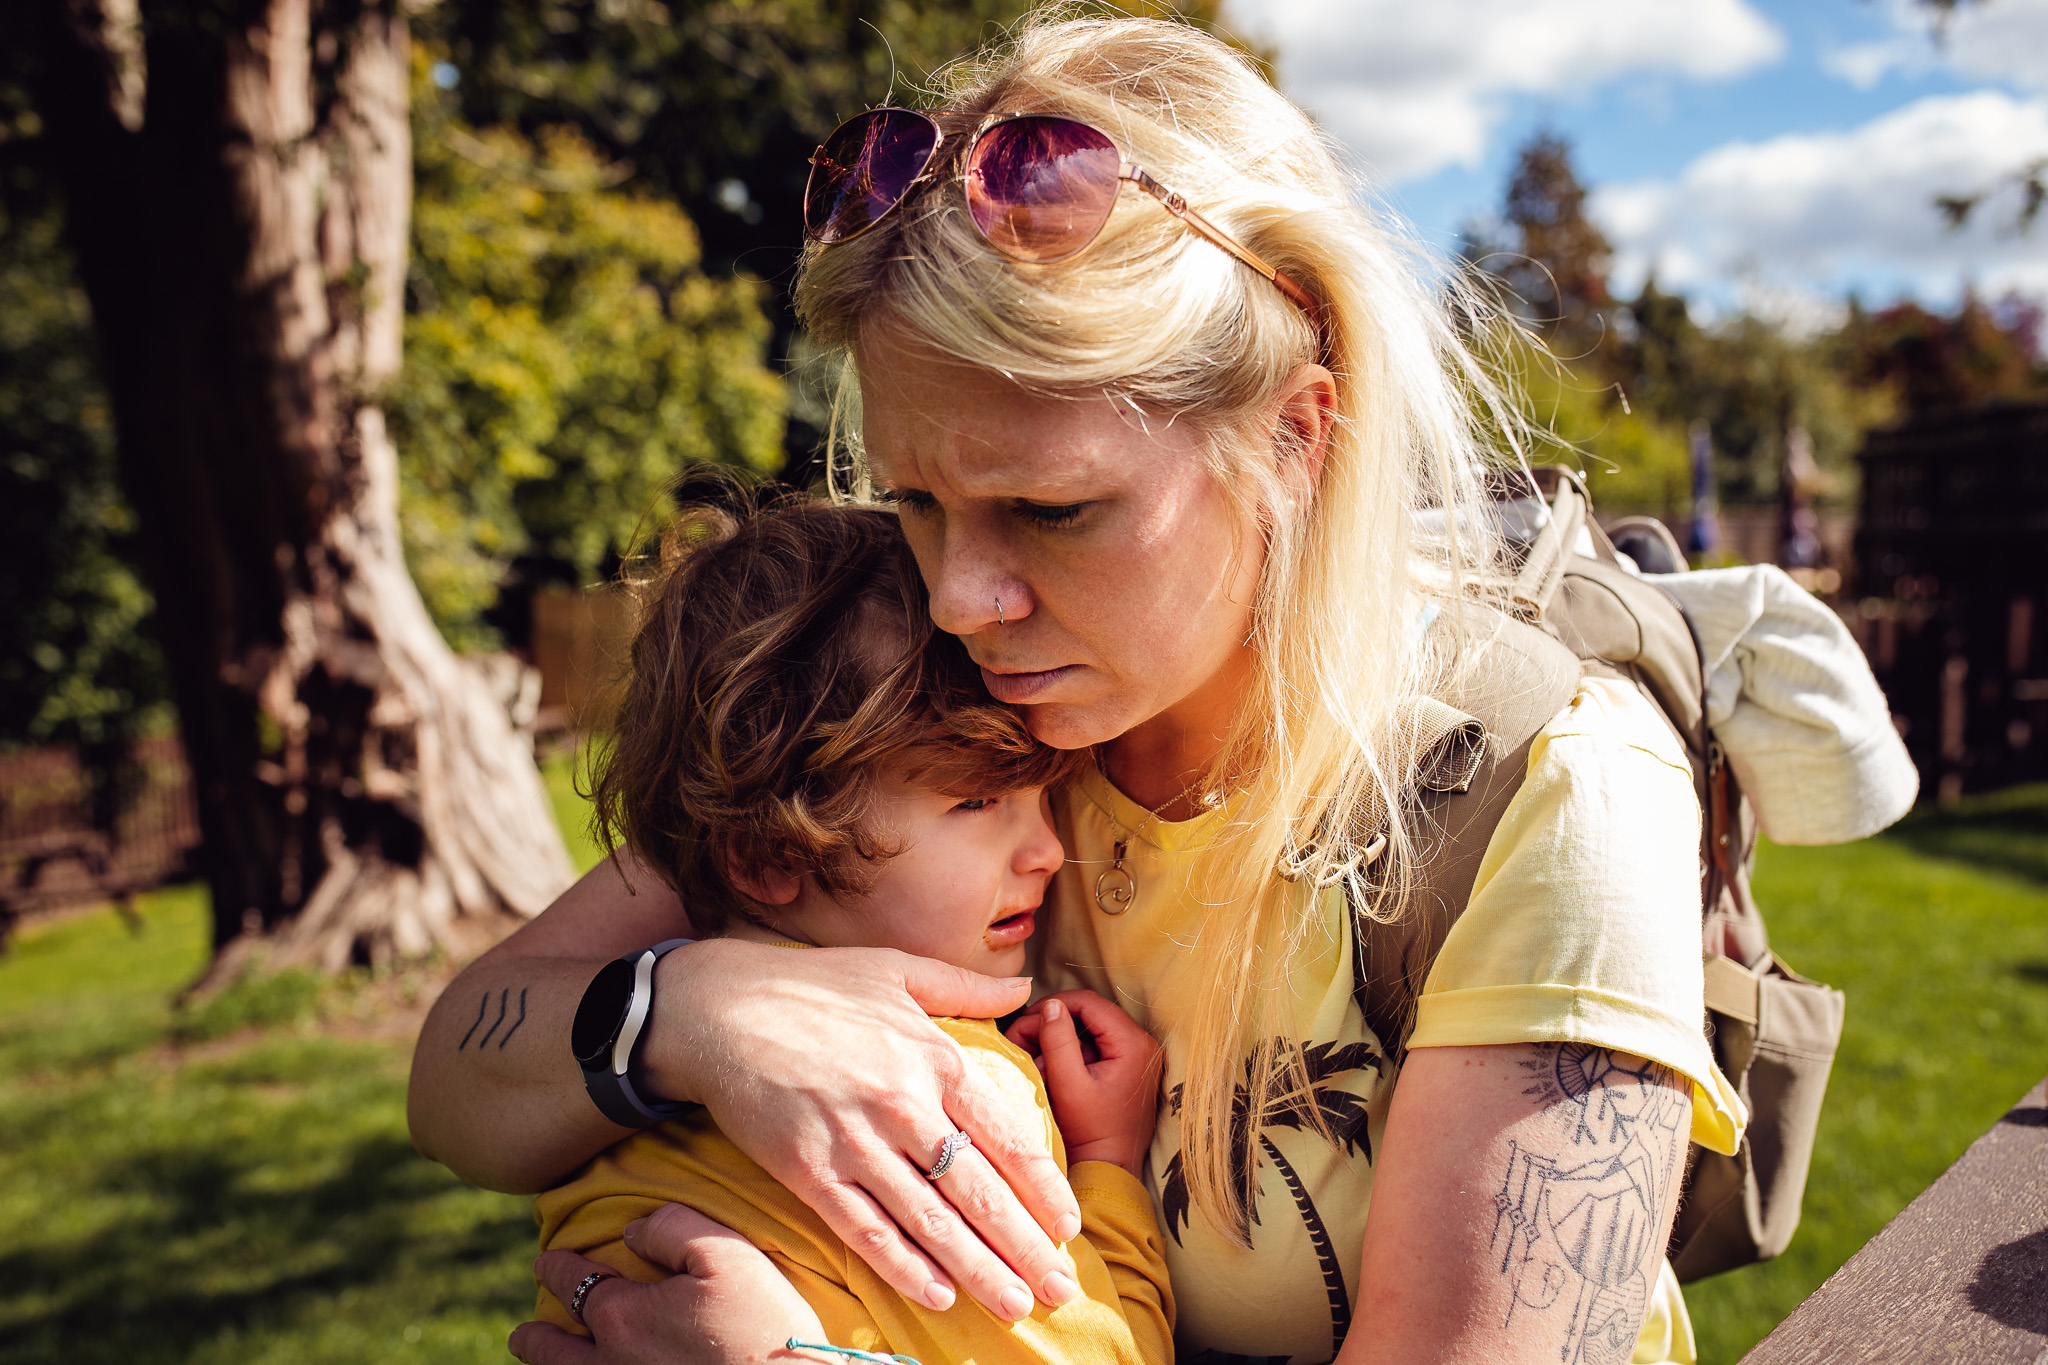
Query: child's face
point(962, 890)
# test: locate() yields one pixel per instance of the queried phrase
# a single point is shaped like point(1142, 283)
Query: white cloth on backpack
point(1790, 697)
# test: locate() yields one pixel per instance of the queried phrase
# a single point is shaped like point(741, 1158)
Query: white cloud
point(1991, 40)
point(1822, 208)
point(1412, 88)
point(1863, 65)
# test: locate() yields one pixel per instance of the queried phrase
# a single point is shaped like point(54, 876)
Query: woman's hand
point(825, 1067)
point(1105, 1088)
point(727, 1302)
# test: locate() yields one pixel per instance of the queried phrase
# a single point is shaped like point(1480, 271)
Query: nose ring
point(999, 611)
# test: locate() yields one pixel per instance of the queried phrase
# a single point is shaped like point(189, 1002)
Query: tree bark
point(238, 198)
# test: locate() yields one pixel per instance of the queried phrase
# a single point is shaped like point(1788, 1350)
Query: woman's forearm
point(495, 1095)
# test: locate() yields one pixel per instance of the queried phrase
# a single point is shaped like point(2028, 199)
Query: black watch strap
point(606, 1036)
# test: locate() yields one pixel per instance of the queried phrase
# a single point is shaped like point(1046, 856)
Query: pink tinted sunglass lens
point(864, 169)
point(1041, 188)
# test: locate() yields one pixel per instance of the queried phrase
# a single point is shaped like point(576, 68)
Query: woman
point(1168, 483)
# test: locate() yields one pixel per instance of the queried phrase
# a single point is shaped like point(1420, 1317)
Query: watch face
point(602, 1011)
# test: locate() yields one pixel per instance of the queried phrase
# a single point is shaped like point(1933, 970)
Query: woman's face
point(1124, 576)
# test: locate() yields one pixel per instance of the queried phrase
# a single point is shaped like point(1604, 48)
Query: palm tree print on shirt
point(1343, 1115)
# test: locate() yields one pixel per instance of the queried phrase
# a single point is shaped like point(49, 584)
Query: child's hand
point(1105, 1097)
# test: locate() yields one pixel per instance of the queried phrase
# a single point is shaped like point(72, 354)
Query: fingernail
point(938, 1297)
point(1067, 1227)
point(1052, 1010)
point(1023, 981)
point(1058, 1288)
point(633, 1228)
point(1014, 1303)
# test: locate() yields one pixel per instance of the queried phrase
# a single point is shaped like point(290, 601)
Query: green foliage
point(1555, 268)
point(1633, 461)
point(718, 107)
point(565, 358)
point(715, 107)
point(1938, 931)
point(78, 663)
point(1929, 361)
point(1751, 381)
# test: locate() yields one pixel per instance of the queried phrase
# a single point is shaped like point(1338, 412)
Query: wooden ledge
point(1961, 1275)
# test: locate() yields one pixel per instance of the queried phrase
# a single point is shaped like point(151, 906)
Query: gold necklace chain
point(1116, 889)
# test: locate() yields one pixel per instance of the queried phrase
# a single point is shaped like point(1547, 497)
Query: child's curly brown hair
point(786, 654)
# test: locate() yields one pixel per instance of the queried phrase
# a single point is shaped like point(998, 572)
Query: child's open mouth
point(1012, 929)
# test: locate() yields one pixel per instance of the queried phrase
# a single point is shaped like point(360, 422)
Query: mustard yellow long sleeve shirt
point(1123, 1316)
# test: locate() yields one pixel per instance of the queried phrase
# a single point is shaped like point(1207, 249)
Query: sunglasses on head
point(1039, 188)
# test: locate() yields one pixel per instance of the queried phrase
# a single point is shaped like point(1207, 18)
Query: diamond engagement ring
point(948, 1149)
point(582, 1292)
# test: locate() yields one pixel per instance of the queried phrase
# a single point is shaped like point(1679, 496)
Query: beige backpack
point(1774, 1033)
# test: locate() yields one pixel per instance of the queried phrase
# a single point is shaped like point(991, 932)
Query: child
point(810, 763)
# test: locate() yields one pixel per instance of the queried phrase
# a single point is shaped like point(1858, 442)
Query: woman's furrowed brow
point(1049, 492)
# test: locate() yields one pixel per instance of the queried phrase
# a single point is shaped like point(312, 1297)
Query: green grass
point(1938, 931)
point(235, 1185)
point(567, 781)
point(252, 1200)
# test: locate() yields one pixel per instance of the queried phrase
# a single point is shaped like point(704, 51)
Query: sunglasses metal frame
point(1128, 172)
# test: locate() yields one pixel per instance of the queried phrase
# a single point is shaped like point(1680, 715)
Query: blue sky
point(1759, 152)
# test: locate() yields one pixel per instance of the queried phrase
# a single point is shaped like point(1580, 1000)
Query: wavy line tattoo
point(481, 1006)
point(1578, 1230)
point(515, 1023)
point(495, 1022)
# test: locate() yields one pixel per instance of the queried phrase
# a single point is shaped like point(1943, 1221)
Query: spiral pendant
point(1116, 888)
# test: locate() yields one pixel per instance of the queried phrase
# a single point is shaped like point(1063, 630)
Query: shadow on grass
point(2000, 832)
point(220, 1246)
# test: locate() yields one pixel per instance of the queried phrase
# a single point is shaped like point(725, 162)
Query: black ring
point(582, 1292)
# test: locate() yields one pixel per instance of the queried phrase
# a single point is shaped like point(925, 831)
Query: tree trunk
point(238, 194)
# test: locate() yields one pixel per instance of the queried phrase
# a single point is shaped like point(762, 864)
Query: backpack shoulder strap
point(1517, 678)
point(1566, 613)
point(1605, 613)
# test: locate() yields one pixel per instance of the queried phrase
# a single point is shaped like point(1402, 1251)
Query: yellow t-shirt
point(1124, 1315)
point(1584, 925)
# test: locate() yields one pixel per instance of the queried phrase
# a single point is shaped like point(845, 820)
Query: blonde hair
point(1321, 753)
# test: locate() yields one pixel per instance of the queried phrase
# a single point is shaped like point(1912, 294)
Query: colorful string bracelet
point(848, 1351)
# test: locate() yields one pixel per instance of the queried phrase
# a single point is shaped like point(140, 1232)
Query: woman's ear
point(1301, 433)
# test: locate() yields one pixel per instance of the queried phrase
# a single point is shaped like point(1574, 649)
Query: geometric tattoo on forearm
point(1573, 1228)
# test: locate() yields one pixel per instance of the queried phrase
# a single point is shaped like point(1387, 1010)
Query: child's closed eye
point(975, 803)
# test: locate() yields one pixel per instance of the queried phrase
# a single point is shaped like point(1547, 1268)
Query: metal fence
point(1953, 575)
point(53, 851)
